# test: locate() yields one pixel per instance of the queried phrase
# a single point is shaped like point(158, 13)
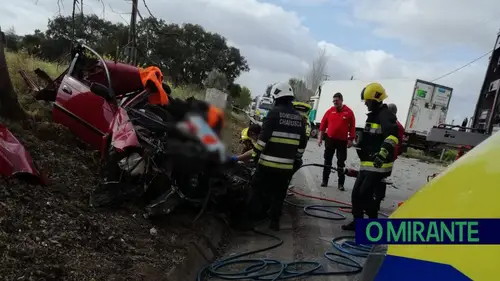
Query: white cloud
point(305, 2)
point(433, 24)
point(378, 64)
point(278, 46)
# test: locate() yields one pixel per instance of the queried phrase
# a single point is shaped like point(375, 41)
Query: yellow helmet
point(373, 91)
point(244, 134)
point(302, 107)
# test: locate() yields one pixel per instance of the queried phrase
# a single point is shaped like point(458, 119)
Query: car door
point(84, 113)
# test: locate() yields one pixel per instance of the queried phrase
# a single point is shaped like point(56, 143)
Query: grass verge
point(40, 111)
point(448, 157)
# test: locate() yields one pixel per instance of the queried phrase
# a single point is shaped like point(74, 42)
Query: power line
point(156, 21)
point(462, 67)
point(147, 8)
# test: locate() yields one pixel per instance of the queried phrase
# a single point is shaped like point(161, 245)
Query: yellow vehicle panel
point(469, 188)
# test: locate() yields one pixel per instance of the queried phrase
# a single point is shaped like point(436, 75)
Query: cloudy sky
point(370, 39)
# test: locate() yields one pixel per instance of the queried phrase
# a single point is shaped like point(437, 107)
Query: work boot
point(274, 225)
point(324, 183)
point(350, 226)
point(341, 187)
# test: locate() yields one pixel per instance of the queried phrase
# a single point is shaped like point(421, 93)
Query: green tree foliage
point(234, 90)
point(244, 99)
point(54, 44)
point(186, 53)
point(12, 41)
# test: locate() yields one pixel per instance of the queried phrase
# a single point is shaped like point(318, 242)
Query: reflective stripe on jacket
point(308, 129)
point(283, 138)
point(380, 135)
point(308, 125)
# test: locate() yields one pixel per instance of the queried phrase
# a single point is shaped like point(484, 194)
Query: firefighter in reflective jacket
point(304, 109)
point(376, 152)
point(249, 140)
point(278, 151)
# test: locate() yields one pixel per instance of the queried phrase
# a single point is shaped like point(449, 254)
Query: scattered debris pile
point(51, 233)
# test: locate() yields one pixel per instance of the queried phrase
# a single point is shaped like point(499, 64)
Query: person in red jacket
point(401, 131)
point(338, 129)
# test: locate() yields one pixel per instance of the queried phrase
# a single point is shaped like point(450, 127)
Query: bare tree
point(268, 90)
point(302, 93)
point(317, 70)
point(9, 104)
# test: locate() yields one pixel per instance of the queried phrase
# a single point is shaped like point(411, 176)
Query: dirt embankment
point(51, 233)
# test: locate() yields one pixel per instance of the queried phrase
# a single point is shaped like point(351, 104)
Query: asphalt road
point(308, 238)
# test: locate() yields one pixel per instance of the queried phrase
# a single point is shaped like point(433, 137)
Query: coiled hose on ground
point(272, 269)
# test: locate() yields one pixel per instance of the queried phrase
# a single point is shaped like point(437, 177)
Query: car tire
point(112, 191)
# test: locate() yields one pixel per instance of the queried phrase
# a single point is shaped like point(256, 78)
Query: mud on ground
point(51, 233)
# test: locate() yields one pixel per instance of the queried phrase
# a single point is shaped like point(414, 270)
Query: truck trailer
point(421, 105)
point(486, 118)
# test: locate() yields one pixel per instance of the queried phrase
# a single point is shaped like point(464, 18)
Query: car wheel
point(112, 189)
point(109, 170)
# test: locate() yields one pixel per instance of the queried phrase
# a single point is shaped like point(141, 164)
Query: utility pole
point(132, 35)
point(73, 31)
point(82, 16)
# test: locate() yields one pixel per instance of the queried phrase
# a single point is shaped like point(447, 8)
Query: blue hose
point(272, 269)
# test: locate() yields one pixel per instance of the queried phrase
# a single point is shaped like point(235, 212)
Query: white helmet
point(280, 90)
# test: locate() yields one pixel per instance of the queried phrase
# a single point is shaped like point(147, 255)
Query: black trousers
point(332, 146)
point(367, 194)
point(269, 189)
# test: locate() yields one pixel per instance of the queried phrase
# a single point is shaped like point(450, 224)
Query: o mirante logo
point(427, 231)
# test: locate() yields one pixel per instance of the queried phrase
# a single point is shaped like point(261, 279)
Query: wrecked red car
point(82, 101)
point(154, 147)
point(87, 96)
